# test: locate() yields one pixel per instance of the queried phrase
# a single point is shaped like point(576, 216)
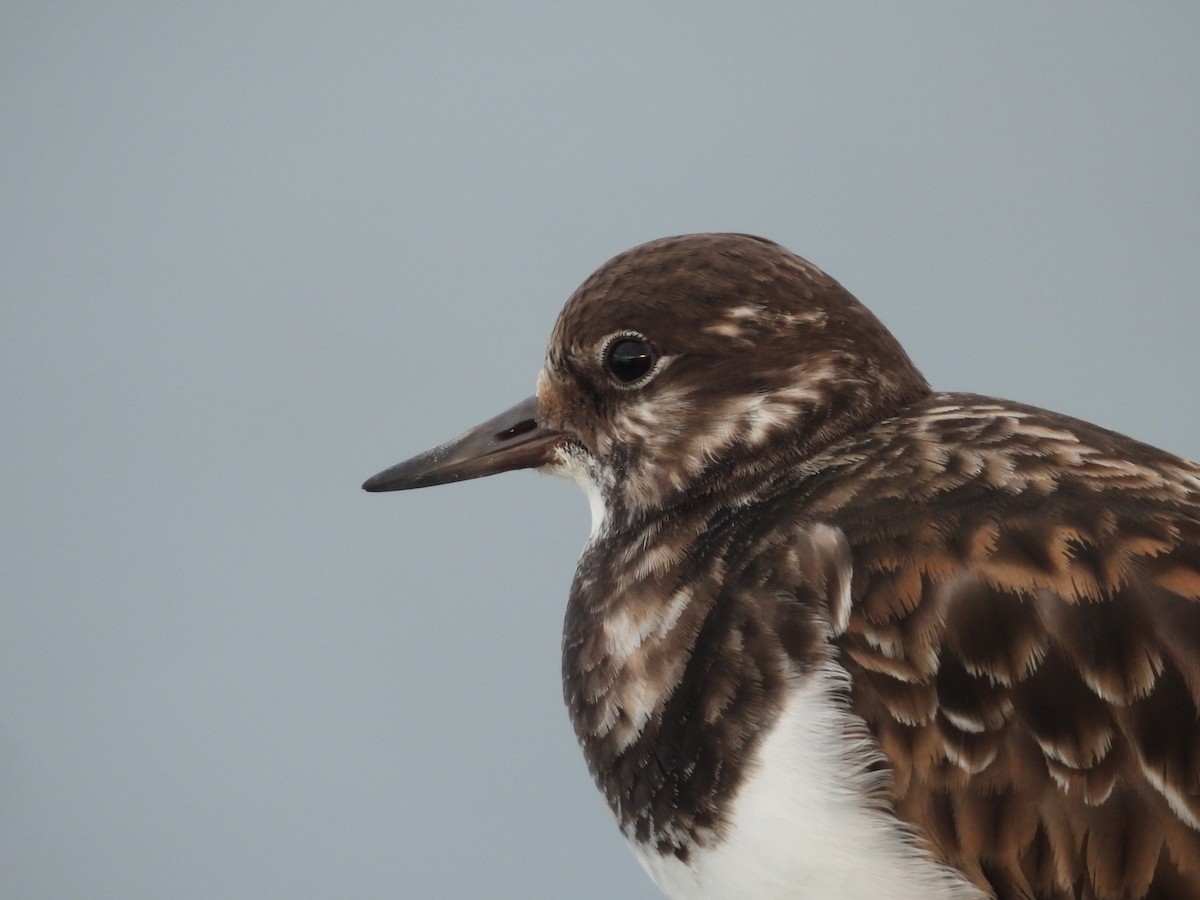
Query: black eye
point(629, 358)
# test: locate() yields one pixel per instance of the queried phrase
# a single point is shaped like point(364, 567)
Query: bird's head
point(683, 362)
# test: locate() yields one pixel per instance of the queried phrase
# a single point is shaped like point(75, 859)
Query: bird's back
point(1023, 641)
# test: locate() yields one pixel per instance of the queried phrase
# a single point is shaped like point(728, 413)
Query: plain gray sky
point(253, 253)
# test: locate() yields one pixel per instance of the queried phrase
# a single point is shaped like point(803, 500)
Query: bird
point(834, 634)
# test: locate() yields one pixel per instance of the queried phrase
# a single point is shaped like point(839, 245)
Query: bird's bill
point(512, 440)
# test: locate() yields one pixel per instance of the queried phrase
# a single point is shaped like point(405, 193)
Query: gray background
point(252, 254)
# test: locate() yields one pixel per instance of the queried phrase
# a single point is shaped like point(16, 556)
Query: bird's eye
point(629, 358)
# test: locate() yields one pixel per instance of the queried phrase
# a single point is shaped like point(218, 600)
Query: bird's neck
point(670, 673)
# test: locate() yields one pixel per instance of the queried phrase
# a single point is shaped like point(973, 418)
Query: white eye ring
point(629, 359)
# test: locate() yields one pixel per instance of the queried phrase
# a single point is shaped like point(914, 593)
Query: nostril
point(517, 430)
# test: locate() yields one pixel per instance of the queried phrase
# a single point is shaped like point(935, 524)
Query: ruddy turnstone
point(835, 635)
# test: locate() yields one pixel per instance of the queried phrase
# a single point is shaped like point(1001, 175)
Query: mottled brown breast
point(678, 653)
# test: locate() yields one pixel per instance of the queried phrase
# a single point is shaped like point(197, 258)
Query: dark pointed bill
point(511, 440)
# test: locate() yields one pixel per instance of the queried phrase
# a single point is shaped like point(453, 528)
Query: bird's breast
point(806, 821)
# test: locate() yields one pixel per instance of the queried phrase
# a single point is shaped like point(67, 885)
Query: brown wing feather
point(1025, 644)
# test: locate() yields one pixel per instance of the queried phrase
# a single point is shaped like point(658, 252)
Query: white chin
point(575, 465)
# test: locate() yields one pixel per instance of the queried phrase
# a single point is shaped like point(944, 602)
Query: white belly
point(800, 827)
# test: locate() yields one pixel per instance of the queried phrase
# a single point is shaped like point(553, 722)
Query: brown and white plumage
point(1024, 643)
point(836, 634)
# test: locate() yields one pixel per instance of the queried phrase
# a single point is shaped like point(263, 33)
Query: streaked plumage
point(836, 635)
